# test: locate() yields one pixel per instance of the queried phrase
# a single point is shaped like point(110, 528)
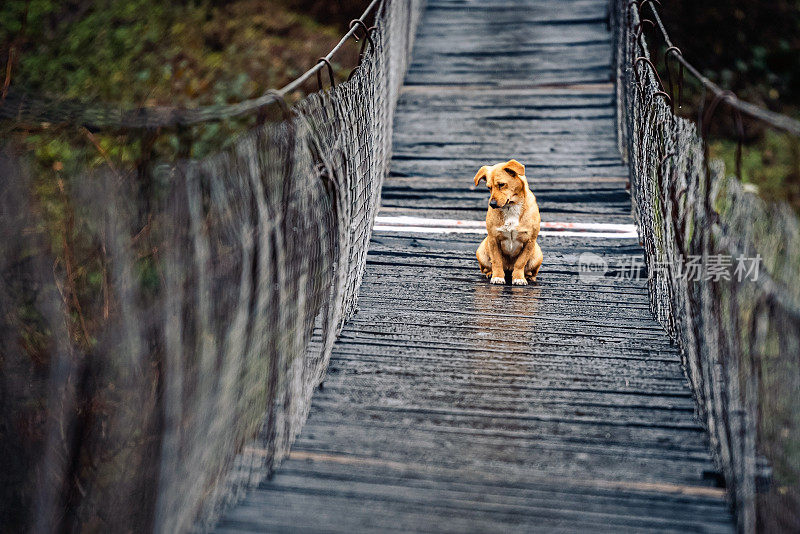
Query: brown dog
point(512, 222)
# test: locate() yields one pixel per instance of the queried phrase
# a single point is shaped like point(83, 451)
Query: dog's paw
point(497, 280)
point(519, 282)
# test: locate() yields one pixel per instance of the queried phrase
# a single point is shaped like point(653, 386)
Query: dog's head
point(506, 182)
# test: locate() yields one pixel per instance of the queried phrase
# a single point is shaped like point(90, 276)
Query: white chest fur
point(509, 240)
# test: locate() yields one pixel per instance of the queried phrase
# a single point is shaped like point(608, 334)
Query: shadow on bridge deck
point(453, 405)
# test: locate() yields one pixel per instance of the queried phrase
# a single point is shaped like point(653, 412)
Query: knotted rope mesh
point(739, 331)
point(161, 343)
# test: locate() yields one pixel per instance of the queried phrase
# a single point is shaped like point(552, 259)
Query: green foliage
point(771, 164)
point(136, 52)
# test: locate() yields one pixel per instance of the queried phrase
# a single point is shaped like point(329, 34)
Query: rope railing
point(165, 319)
point(722, 266)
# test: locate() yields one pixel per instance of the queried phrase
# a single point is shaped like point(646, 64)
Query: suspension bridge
point(254, 317)
point(453, 405)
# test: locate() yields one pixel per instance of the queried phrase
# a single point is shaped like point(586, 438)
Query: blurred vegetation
point(753, 49)
point(748, 47)
point(143, 52)
point(340, 12)
point(772, 163)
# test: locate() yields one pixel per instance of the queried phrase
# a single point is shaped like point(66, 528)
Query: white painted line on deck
point(421, 225)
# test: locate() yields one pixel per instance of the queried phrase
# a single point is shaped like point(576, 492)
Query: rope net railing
point(166, 317)
point(722, 269)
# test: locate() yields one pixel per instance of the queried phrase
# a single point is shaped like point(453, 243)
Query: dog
point(512, 222)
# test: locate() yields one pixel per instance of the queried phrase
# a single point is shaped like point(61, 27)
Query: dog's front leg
point(518, 274)
point(498, 275)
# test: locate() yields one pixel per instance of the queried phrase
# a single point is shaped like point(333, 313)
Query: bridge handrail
point(734, 333)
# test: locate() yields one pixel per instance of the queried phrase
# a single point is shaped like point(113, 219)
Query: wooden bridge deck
point(456, 406)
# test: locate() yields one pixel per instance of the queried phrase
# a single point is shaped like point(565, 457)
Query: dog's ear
point(481, 175)
point(514, 168)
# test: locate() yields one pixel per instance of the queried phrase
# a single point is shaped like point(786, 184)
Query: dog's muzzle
point(493, 203)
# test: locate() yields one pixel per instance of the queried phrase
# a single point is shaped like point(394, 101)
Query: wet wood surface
point(452, 405)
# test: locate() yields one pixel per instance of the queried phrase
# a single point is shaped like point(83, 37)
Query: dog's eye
point(501, 186)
